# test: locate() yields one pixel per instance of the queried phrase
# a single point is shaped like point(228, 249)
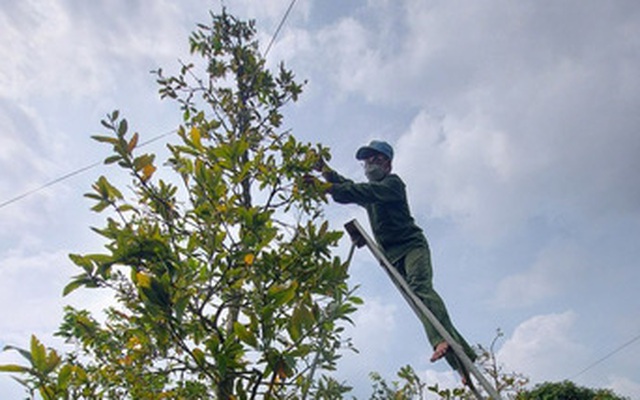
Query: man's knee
point(418, 264)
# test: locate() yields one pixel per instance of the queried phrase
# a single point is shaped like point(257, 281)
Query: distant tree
point(566, 390)
point(223, 273)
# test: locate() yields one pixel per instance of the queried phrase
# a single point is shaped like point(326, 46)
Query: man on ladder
point(402, 241)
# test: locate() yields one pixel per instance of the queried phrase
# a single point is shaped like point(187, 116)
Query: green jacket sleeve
point(385, 191)
point(333, 177)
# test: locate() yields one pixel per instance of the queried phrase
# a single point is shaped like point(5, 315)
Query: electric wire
point(50, 183)
point(282, 21)
point(95, 164)
point(608, 355)
point(73, 173)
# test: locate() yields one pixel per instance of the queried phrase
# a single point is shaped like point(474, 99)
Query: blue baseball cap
point(373, 148)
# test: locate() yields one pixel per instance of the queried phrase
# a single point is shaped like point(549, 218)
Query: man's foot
point(441, 349)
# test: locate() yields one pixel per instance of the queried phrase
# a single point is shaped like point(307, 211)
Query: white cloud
point(32, 286)
point(347, 41)
point(522, 96)
point(63, 64)
point(271, 10)
point(543, 348)
point(42, 49)
point(31, 295)
point(554, 272)
point(464, 169)
point(23, 150)
point(51, 47)
point(372, 334)
point(375, 324)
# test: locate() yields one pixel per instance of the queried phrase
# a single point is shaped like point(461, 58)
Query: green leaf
point(38, 354)
point(142, 161)
point(13, 368)
point(106, 124)
point(104, 139)
point(244, 334)
point(106, 190)
point(64, 376)
point(282, 294)
point(294, 328)
point(122, 127)
point(82, 261)
point(198, 355)
point(24, 353)
point(112, 190)
point(46, 392)
point(81, 280)
point(100, 206)
point(92, 196)
point(112, 159)
point(52, 361)
point(126, 207)
point(157, 294)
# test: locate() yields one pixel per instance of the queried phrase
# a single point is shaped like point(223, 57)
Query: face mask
point(374, 172)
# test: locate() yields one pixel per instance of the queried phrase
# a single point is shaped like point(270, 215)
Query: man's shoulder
point(394, 182)
point(394, 179)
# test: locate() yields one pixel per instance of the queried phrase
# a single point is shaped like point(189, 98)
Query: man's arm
point(387, 190)
point(344, 190)
point(332, 176)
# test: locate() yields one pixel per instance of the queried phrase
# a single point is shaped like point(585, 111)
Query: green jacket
point(386, 203)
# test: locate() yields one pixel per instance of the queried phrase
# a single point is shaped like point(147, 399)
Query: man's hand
point(320, 164)
point(310, 180)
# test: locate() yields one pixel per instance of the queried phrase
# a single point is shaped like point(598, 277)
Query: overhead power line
point(282, 21)
point(90, 166)
point(608, 355)
point(72, 174)
point(50, 183)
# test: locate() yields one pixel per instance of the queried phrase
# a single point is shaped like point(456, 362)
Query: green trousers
point(415, 268)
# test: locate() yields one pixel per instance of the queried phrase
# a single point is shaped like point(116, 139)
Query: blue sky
point(515, 126)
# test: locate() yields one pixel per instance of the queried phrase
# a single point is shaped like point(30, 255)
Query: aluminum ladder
point(359, 239)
